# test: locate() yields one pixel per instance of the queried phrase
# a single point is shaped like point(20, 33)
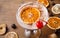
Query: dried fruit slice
point(2, 29)
point(45, 2)
point(56, 9)
point(52, 36)
point(54, 23)
point(11, 35)
point(30, 14)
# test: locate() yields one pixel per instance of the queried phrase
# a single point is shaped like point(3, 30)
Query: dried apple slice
point(2, 29)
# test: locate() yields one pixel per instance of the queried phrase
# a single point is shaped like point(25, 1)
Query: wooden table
point(8, 10)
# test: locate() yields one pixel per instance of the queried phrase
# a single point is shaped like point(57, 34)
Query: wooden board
point(8, 10)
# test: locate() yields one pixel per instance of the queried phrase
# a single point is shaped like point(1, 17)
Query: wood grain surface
point(8, 10)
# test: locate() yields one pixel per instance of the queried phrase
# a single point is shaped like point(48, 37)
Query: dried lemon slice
point(11, 35)
point(2, 29)
point(30, 14)
point(54, 23)
point(56, 9)
point(45, 2)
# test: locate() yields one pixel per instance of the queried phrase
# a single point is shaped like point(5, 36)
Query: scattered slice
point(2, 29)
point(56, 9)
point(54, 23)
point(30, 14)
point(11, 35)
point(52, 36)
point(45, 2)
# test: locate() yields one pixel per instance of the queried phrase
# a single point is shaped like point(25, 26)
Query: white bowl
point(44, 15)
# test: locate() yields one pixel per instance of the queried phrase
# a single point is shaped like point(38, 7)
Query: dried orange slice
point(11, 35)
point(54, 23)
point(30, 14)
point(45, 2)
